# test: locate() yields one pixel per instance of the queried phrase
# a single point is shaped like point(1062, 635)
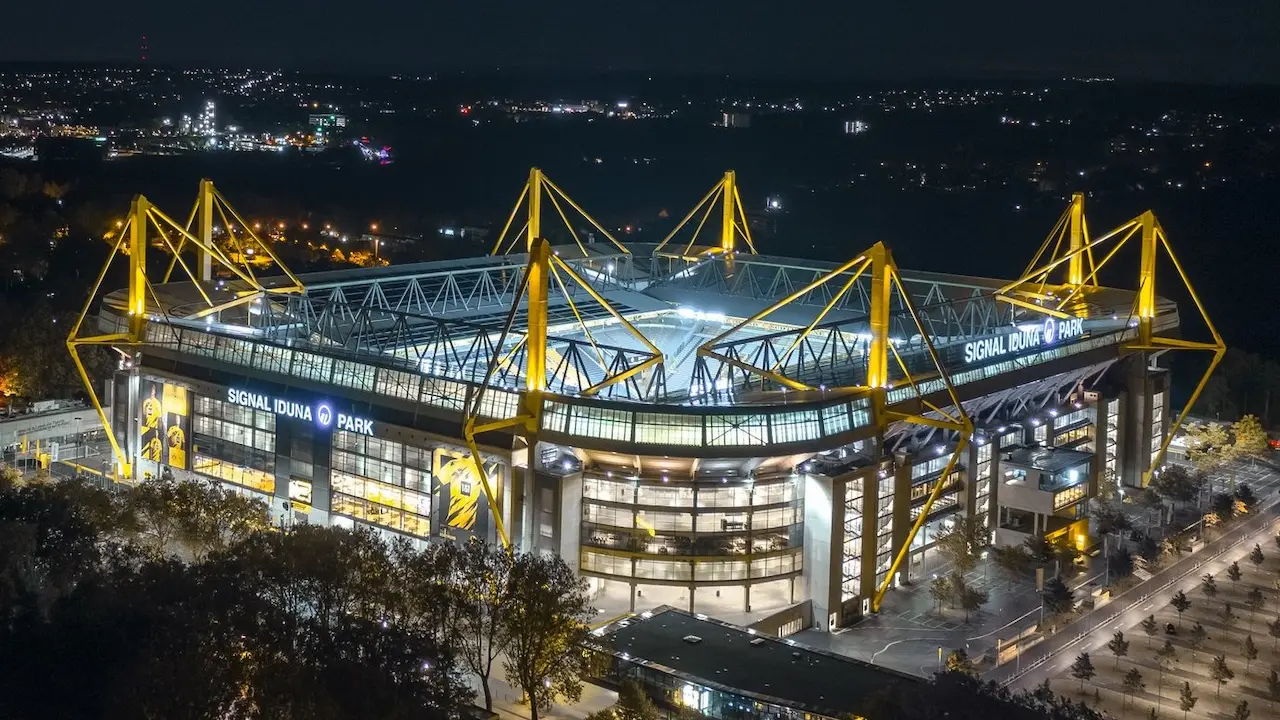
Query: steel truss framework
point(538, 187)
point(148, 225)
point(733, 221)
point(1034, 292)
point(534, 288)
point(886, 282)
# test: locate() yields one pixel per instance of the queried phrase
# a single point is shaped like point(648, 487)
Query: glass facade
point(1110, 473)
point(851, 562)
point(884, 526)
point(1157, 422)
point(982, 488)
point(381, 482)
point(234, 444)
point(717, 533)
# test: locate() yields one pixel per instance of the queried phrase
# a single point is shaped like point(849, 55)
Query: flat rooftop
point(1047, 459)
point(773, 670)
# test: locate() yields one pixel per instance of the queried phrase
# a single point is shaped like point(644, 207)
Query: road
point(1093, 630)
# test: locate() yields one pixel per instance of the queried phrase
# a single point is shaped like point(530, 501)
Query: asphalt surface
point(1091, 631)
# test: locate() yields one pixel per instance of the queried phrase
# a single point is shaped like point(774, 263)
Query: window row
point(683, 494)
point(246, 477)
point(704, 571)
point(382, 515)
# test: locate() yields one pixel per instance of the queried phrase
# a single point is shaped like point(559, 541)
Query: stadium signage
point(1053, 330)
point(320, 413)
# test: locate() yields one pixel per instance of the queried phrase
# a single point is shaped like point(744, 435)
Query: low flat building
point(727, 672)
point(1043, 494)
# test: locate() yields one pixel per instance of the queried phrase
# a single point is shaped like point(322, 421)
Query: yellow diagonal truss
point(145, 224)
point(733, 221)
point(542, 268)
point(538, 187)
point(1029, 292)
point(885, 282)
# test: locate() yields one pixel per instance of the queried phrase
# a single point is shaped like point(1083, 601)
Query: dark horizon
point(1182, 41)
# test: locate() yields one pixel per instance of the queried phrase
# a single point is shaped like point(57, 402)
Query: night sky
point(1180, 40)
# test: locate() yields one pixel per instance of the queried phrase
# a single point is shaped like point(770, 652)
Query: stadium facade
point(705, 436)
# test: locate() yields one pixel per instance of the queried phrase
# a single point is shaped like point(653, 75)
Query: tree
point(1254, 601)
point(1196, 640)
point(633, 703)
point(1208, 446)
point(1273, 688)
point(1181, 603)
point(971, 599)
point(1177, 484)
point(1118, 646)
point(1242, 711)
point(1133, 682)
point(1209, 586)
point(484, 573)
point(1246, 499)
point(1082, 669)
point(1150, 627)
point(958, 661)
point(1250, 437)
point(1121, 563)
point(940, 591)
point(963, 542)
point(1256, 557)
point(546, 626)
point(1057, 597)
point(1165, 657)
point(1220, 672)
point(1273, 629)
point(1226, 615)
point(1250, 652)
point(1233, 572)
point(1012, 561)
point(1186, 700)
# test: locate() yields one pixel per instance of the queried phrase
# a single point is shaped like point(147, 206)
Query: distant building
point(735, 120)
point(326, 120)
point(854, 127)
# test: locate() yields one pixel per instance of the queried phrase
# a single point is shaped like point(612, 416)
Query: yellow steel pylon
point(884, 280)
point(543, 267)
point(1029, 292)
point(535, 189)
point(145, 223)
point(1067, 243)
point(733, 219)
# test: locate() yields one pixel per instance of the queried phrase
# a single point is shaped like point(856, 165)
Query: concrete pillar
point(746, 598)
point(793, 590)
point(692, 590)
point(632, 586)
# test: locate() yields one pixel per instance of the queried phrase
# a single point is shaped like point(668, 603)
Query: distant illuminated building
point(326, 120)
point(735, 120)
point(854, 127)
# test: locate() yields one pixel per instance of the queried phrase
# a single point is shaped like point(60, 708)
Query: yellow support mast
point(1028, 292)
point(882, 356)
point(733, 220)
point(145, 223)
point(538, 188)
point(532, 296)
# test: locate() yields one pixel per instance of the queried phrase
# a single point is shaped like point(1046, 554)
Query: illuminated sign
point(1025, 338)
point(321, 414)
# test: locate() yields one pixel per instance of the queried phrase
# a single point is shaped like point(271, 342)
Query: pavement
point(907, 633)
point(1092, 631)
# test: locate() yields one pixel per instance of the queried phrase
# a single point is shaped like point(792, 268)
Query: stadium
point(686, 423)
